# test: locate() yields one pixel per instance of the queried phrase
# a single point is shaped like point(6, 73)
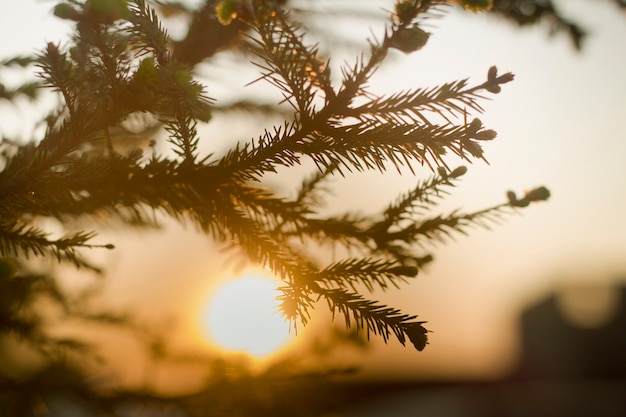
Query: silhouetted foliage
point(543, 12)
point(122, 83)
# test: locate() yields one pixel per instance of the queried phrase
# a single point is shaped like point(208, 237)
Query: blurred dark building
point(565, 370)
point(556, 348)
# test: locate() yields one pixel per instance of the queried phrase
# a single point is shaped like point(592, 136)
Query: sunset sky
point(561, 123)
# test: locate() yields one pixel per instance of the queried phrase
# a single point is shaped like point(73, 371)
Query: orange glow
point(242, 316)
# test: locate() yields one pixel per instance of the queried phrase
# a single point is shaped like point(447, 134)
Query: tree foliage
point(526, 13)
point(122, 82)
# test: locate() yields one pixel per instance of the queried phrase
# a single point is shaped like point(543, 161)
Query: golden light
point(243, 316)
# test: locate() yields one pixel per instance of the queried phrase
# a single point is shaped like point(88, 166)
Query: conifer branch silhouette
point(120, 68)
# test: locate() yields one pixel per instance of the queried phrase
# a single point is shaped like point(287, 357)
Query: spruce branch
point(183, 136)
point(441, 227)
point(349, 229)
point(422, 196)
point(250, 161)
point(272, 213)
point(56, 70)
point(375, 318)
point(20, 239)
point(316, 133)
point(403, 34)
point(119, 66)
point(371, 273)
point(367, 146)
point(290, 65)
point(148, 31)
point(449, 99)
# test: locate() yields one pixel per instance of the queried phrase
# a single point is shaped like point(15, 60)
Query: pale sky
point(561, 123)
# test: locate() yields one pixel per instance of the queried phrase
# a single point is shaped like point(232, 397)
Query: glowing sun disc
point(243, 316)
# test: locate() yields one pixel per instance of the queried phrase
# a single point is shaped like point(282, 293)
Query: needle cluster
point(94, 163)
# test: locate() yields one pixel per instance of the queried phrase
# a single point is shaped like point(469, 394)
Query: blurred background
point(528, 318)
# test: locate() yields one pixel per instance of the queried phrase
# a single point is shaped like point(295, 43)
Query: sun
point(243, 316)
